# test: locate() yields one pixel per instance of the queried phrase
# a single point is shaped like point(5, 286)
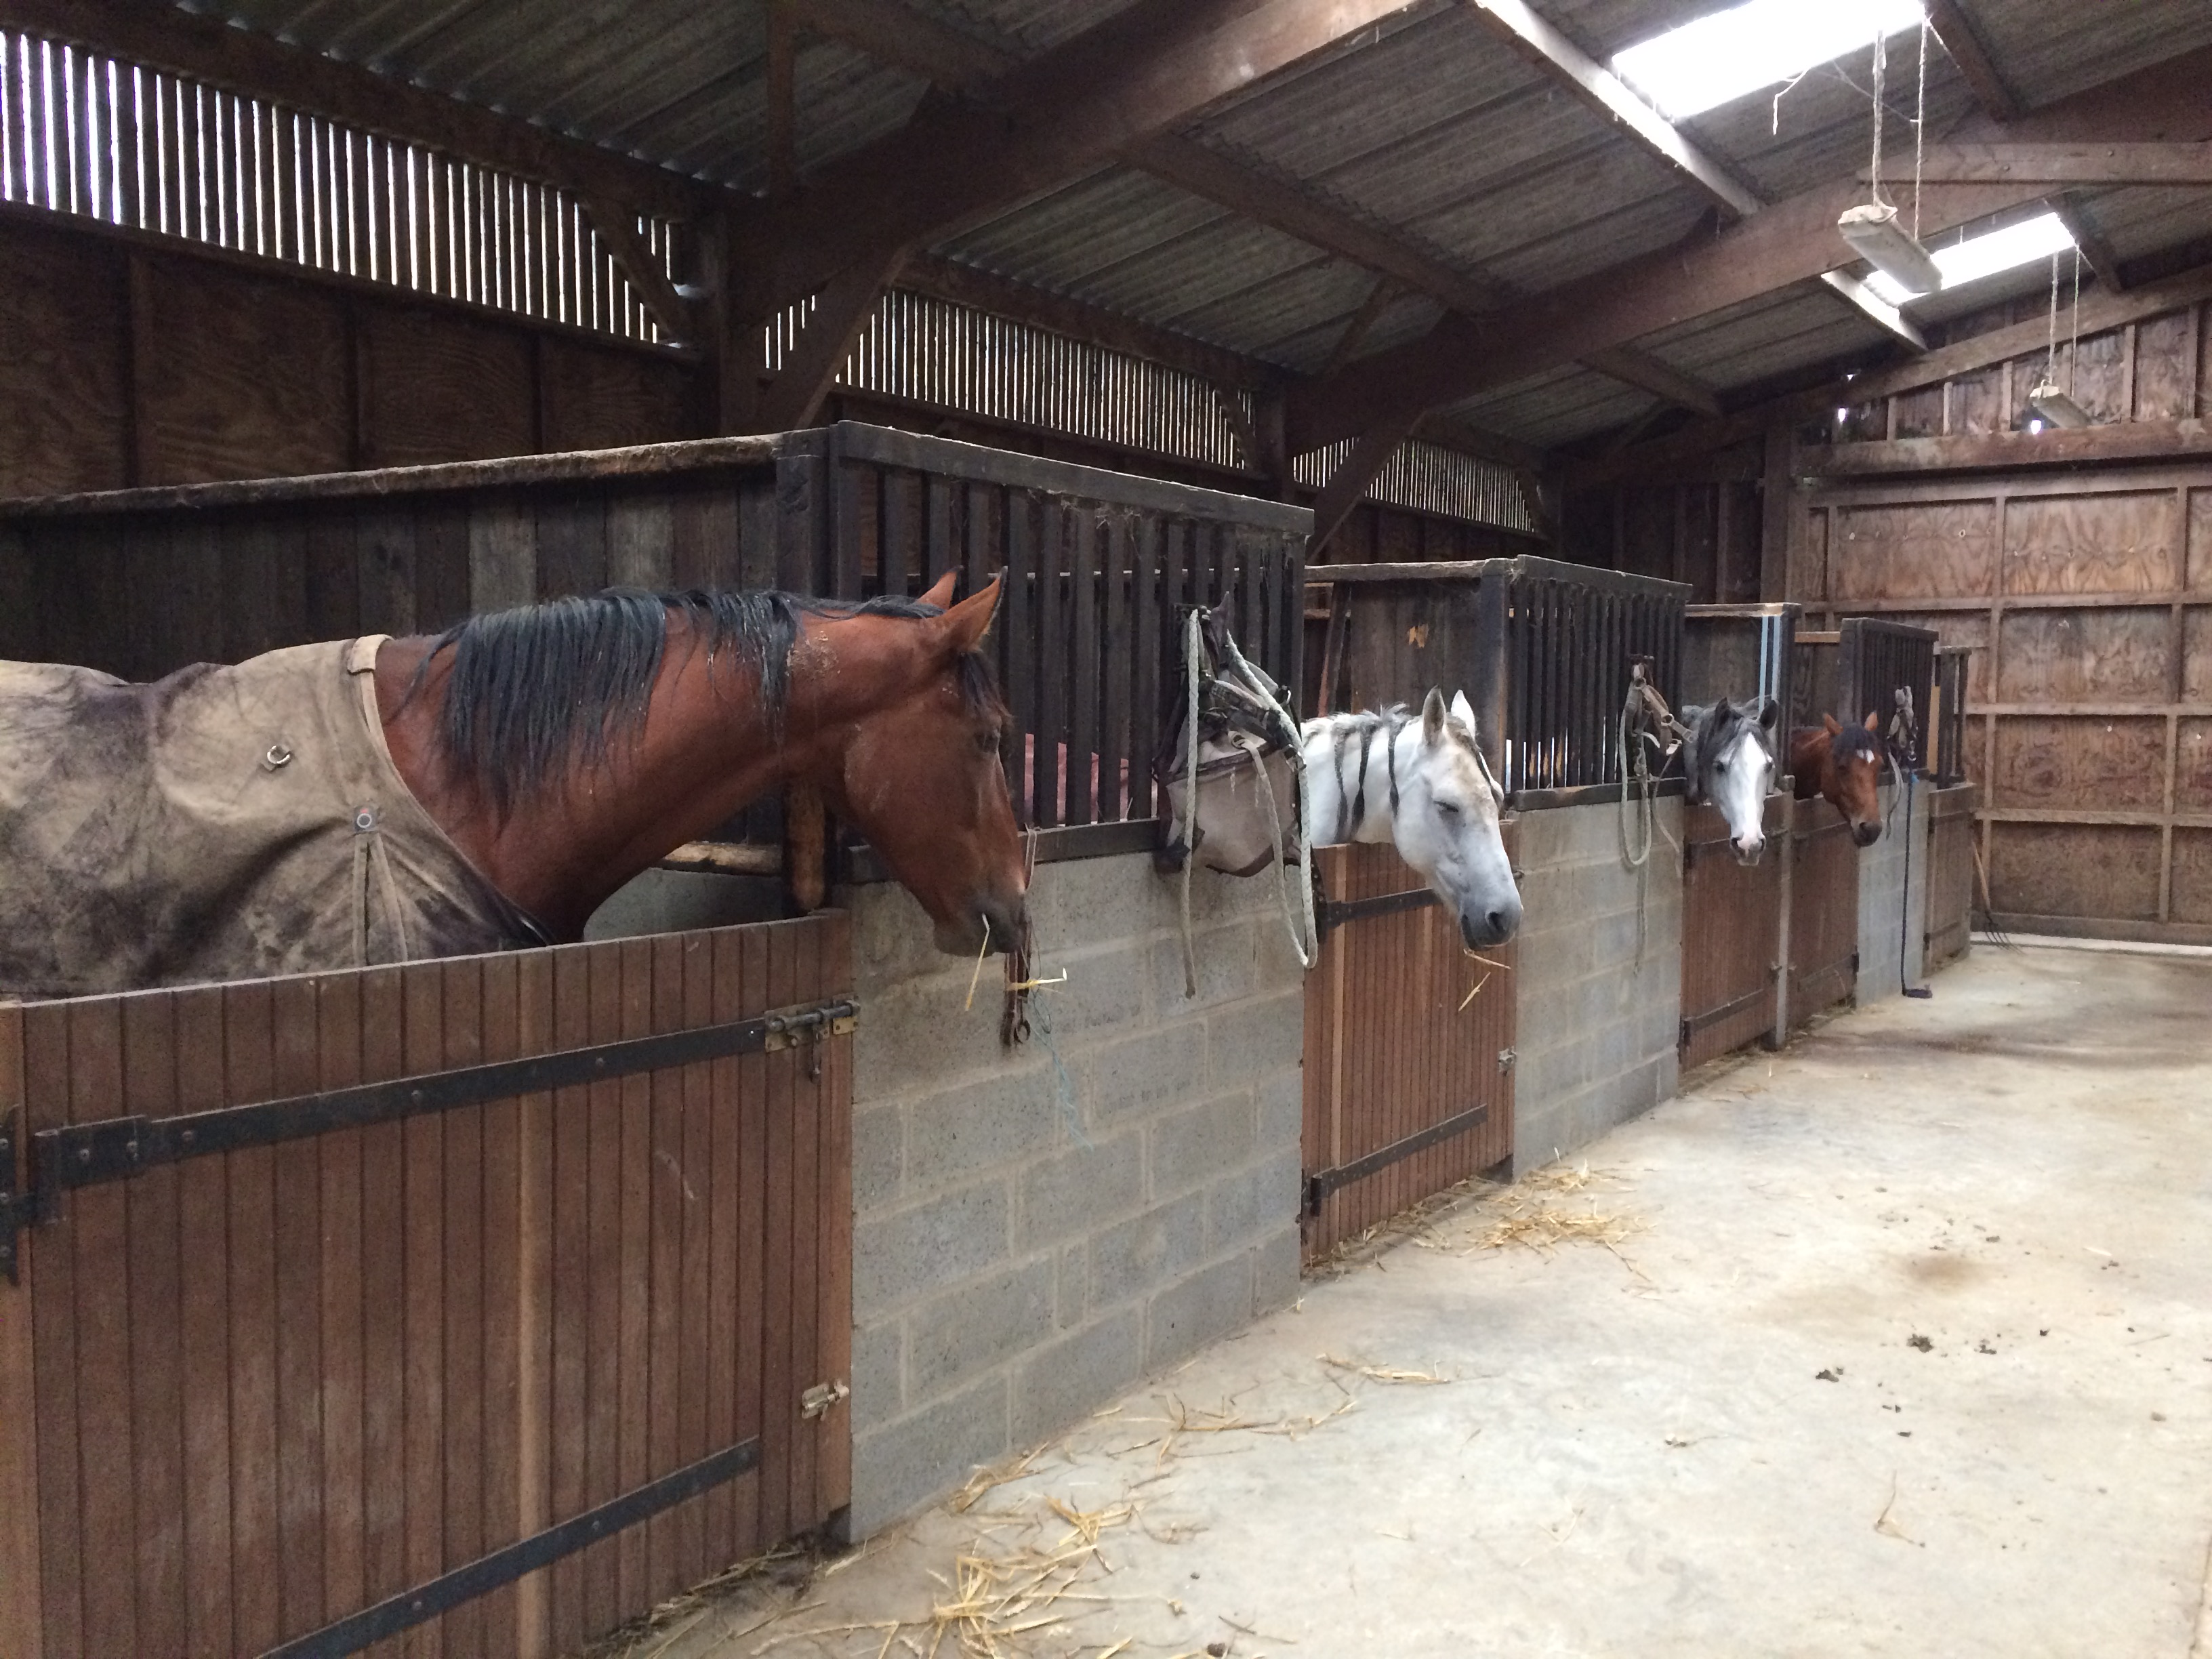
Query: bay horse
point(1421, 782)
point(1728, 758)
point(383, 799)
point(1845, 763)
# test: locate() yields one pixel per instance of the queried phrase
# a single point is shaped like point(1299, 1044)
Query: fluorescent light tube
point(1876, 237)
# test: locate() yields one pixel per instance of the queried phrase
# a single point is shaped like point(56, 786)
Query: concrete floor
point(1987, 1218)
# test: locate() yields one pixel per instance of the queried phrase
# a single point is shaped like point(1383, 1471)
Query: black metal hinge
point(1332, 914)
point(1322, 1182)
point(115, 1148)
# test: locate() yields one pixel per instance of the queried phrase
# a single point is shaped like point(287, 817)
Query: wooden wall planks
point(272, 1387)
point(64, 364)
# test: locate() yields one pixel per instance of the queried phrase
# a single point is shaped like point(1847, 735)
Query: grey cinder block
point(900, 1466)
point(1208, 1304)
point(928, 1246)
point(1054, 1386)
point(1075, 1189)
point(1148, 1249)
point(972, 1328)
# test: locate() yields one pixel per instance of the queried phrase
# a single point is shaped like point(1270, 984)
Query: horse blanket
point(225, 823)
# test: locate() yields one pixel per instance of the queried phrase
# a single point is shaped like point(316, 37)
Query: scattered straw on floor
point(1383, 1373)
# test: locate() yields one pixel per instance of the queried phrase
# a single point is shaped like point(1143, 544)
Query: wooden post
point(1777, 510)
point(21, 1623)
point(1487, 690)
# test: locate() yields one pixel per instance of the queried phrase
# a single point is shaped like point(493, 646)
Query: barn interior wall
point(123, 363)
point(1037, 1228)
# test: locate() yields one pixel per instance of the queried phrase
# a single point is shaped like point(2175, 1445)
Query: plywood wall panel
point(2196, 654)
point(1920, 413)
point(2115, 655)
point(2079, 762)
point(2113, 542)
point(595, 399)
point(237, 377)
point(2192, 771)
point(1953, 628)
point(2164, 370)
point(2200, 538)
point(2090, 870)
point(2192, 875)
point(440, 388)
point(2097, 376)
point(1978, 402)
point(1913, 549)
point(63, 365)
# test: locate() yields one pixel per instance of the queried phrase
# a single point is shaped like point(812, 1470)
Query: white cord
point(1307, 945)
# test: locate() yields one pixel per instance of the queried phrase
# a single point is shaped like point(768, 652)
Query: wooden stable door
point(1408, 1049)
point(251, 1394)
point(1824, 910)
point(1732, 938)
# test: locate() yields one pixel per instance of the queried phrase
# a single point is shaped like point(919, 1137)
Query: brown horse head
point(921, 778)
point(1843, 763)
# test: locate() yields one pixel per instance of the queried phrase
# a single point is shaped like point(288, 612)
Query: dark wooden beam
point(1348, 486)
point(1356, 327)
point(1146, 69)
point(1964, 42)
point(617, 226)
point(794, 397)
point(2099, 311)
point(2096, 253)
point(1648, 373)
point(1876, 310)
point(206, 49)
point(782, 101)
point(1541, 43)
point(2127, 440)
point(1787, 243)
point(2072, 164)
point(1450, 431)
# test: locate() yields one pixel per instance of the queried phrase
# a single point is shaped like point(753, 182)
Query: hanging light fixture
point(2047, 397)
point(1872, 228)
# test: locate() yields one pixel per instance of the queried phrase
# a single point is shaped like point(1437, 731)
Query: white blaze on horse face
point(1741, 779)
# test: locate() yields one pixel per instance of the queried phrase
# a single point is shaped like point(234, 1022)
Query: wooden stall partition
point(1732, 933)
point(1824, 910)
point(1739, 652)
point(1950, 872)
point(496, 1358)
point(1542, 649)
point(1408, 1049)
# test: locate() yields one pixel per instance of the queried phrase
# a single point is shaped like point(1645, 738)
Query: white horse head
point(1730, 760)
point(1422, 783)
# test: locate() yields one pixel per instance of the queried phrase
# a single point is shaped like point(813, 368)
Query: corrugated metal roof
point(1427, 126)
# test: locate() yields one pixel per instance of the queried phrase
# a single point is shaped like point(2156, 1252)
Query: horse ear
point(1834, 730)
point(1721, 710)
point(940, 590)
point(1464, 711)
point(1433, 718)
point(1770, 713)
point(966, 623)
point(1874, 722)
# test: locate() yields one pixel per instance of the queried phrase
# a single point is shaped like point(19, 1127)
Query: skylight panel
point(1986, 255)
point(1726, 54)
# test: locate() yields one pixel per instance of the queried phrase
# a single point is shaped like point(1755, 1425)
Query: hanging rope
point(1645, 719)
point(1874, 168)
point(1305, 942)
point(1919, 126)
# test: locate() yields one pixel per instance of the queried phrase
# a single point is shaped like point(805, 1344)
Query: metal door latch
point(818, 1401)
point(1505, 1059)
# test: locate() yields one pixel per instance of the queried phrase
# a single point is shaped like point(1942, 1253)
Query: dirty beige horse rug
point(225, 823)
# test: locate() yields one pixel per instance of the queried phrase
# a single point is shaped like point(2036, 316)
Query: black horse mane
point(535, 687)
point(1855, 740)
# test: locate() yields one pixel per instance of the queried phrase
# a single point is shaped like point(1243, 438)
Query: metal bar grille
point(95, 137)
point(1429, 478)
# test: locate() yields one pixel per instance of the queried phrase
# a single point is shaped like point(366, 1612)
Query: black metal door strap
point(1322, 1182)
point(115, 1148)
point(1332, 914)
point(487, 1573)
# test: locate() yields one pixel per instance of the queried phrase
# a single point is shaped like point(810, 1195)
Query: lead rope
point(1191, 642)
point(1638, 789)
point(1308, 944)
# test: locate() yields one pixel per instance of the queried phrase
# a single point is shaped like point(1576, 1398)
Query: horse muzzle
point(1749, 849)
point(1000, 923)
point(1480, 929)
point(1867, 833)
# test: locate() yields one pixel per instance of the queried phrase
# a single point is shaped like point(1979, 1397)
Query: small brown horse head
point(1843, 763)
point(921, 779)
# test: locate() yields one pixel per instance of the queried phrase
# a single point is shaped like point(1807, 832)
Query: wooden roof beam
point(1648, 373)
point(1143, 71)
point(1963, 41)
point(1787, 243)
point(1877, 310)
point(166, 37)
point(2096, 253)
point(1538, 40)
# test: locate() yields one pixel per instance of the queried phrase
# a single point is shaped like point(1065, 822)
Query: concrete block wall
point(1595, 1045)
point(1881, 884)
point(1008, 1278)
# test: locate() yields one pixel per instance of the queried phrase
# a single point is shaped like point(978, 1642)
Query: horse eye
point(1449, 809)
point(1720, 766)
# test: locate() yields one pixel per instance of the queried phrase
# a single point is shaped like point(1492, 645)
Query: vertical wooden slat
point(423, 1433)
point(1083, 743)
point(833, 1224)
point(343, 1294)
point(498, 1326)
point(1114, 735)
point(297, 1221)
point(779, 1388)
point(385, 1296)
point(719, 1313)
point(1052, 756)
point(602, 1263)
point(697, 1183)
point(462, 1192)
point(149, 1086)
point(801, 1066)
point(533, 1312)
point(668, 1179)
point(22, 1611)
point(751, 1512)
point(633, 1402)
point(1147, 557)
point(54, 1334)
point(248, 1075)
point(573, 1292)
point(1017, 635)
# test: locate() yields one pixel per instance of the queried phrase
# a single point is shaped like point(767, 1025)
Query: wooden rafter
point(1987, 452)
point(1963, 41)
point(2096, 253)
point(794, 397)
point(2069, 163)
point(2099, 312)
point(1378, 301)
point(1789, 242)
point(1144, 70)
point(1874, 308)
point(206, 49)
point(1348, 486)
point(617, 228)
point(1648, 373)
point(1538, 40)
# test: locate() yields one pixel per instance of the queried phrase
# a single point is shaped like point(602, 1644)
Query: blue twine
point(1063, 1086)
